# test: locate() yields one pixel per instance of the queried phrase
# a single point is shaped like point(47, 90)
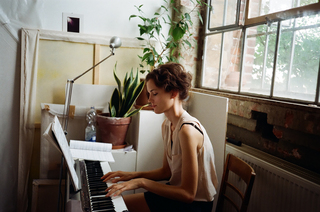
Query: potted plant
point(114, 125)
point(160, 48)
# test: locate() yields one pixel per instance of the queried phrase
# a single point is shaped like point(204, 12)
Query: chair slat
point(246, 173)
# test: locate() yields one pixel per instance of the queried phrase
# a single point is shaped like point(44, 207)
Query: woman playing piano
point(188, 161)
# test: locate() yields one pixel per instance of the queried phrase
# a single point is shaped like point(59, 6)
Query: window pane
point(298, 60)
point(223, 13)
point(231, 56)
point(212, 61)
point(264, 7)
point(258, 59)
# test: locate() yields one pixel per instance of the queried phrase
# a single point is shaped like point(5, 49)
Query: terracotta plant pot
point(113, 129)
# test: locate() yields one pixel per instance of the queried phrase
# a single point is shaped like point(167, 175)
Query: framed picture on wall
point(72, 22)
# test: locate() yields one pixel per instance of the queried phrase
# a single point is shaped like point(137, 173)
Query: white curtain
point(29, 57)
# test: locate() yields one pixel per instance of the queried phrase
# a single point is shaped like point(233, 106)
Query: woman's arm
point(190, 140)
point(162, 173)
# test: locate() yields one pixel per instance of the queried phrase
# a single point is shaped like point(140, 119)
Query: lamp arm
point(112, 53)
point(69, 93)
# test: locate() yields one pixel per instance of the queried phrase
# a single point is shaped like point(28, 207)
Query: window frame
point(235, 25)
point(255, 21)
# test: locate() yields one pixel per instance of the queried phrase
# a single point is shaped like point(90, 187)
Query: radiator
point(276, 189)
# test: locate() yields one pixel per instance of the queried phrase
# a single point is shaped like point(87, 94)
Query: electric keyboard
point(92, 194)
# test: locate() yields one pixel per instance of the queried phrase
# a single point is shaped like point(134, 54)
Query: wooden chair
point(246, 173)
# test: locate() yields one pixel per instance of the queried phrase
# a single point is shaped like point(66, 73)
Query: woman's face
point(160, 100)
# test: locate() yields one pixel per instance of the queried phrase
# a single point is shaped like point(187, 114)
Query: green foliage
point(179, 33)
point(298, 55)
point(123, 97)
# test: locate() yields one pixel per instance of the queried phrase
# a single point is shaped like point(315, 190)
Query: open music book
point(54, 134)
point(91, 150)
point(77, 149)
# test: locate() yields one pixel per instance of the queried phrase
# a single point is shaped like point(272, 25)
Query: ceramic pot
point(113, 129)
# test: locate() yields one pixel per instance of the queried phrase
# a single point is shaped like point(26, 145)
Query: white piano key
point(118, 200)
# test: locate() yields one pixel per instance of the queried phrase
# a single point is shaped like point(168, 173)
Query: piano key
point(106, 205)
point(102, 205)
point(105, 210)
point(118, 202)
point(96, 189)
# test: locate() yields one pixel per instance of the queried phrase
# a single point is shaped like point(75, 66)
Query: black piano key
point(100, 207)
point(101, 186)
point(93, 183)
point(100, 198)
point(102, 204)
point(95, 193)
point(98, 188)
point(105, 210)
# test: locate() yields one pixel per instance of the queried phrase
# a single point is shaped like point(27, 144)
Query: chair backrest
point(246, 173)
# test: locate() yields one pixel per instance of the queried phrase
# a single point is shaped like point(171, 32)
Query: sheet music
point(91, 150)
point(63, 143)
point(48, 134)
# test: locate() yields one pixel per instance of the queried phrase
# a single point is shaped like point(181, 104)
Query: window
point(272, 51)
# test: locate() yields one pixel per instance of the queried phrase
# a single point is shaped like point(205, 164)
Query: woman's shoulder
point(187, 118)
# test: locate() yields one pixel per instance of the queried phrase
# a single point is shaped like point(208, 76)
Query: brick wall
point(287, 131)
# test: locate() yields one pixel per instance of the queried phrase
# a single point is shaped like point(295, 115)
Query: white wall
point(9, 121)
point(102, 17)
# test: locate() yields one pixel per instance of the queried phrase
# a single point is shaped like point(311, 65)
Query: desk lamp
point(115, 42)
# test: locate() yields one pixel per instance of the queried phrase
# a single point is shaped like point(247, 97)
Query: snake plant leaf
point(116, 77)
point(136, 92)
point(126, 100)
point(125, 81)
point(113, 112)
point(135, 111)
point(127, 84)
point(132, 95)
point(136, 79)
point(115, 102)
point(133, 98)
point(131, 75)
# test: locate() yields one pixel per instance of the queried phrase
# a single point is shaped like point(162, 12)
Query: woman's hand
point(118, 188)
point(118, 176)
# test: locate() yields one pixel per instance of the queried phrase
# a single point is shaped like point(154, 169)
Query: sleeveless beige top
point(207, 178)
